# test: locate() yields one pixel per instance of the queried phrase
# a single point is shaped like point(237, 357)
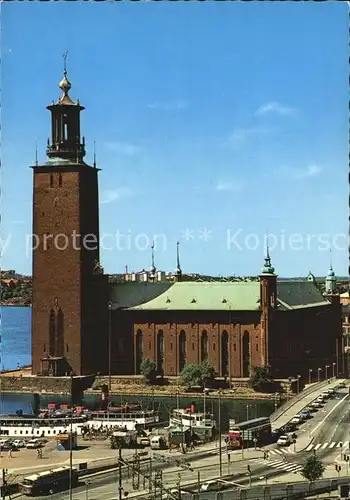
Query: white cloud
point(124, 148)
point(110, 195)
point(178, 105)
point(229, 186)
point(241, 135)
point(311, 170)
point(275, 107)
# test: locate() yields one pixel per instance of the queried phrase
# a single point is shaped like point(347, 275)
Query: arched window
point(60, 180)
point(51, 180)
point(204, 346)
point(160, 352)
point(139, 351)
point(59, 333)
point(246, 354)
point(224, 354)
point(182, 350)
point(52, 333)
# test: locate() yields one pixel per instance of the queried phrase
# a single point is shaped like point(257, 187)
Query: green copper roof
point(211, 296)
point(299, 294)
point(207, 296)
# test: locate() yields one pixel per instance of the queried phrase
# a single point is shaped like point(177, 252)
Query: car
point(34, 443)
point(19, 443)
point(305, 414)
point(6, 444)
point(342, 385)
point(288, 428)
point(212, 486)
point(296, 420)
point(316, 404)
point(285, 440)
point(320, 399)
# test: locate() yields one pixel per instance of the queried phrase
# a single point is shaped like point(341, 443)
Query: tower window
point(65, 132)
point(67, 348)
point(235, 347)
point(51, 180)
point(44, 347)
point(60, 180)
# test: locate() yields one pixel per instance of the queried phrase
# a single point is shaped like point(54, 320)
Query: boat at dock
point(129, 417)
point(201, 424)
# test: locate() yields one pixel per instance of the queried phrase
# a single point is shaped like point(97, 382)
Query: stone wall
point(46, 385)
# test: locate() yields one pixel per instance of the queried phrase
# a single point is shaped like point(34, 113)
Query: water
point(15, 337)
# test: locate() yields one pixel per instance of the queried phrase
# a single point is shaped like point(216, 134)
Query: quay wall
point(74, 387)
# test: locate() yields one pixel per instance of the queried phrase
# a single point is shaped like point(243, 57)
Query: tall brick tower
point(68, 281)
point(268, 302)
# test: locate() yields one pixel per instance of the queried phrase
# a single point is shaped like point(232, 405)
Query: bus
point(49, 482)
point(256, 432)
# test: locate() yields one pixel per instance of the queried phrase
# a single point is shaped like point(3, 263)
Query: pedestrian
point(10, 453)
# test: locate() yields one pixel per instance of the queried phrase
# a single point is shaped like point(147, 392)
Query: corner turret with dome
point(268, 269)
point(331, 281)
point(65, 142)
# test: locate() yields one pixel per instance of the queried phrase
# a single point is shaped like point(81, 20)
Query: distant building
point(174, 319)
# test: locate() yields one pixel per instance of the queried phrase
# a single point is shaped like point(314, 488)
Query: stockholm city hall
point(79, 315)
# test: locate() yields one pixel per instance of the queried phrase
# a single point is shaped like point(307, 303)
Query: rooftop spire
point(268, 268)
point(65, 84)
point(94, 154)
point(178, 267)
point(153, 269)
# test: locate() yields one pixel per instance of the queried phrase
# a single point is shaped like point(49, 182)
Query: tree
point(260, 379)
point(313, 469)
point(191, 375)
point(208, 373)
point(197, 375)
point(148, 369)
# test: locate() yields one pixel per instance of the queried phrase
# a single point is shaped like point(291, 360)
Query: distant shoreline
point(3, 304)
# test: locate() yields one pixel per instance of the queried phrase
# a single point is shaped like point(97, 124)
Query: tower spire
point(65, 84)
point(94, 154)
point(36, 152)
point(178, 273)
point(153, 269)
point(267, 268)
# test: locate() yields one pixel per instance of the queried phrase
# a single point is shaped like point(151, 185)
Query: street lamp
point(248, 406)
point(318, 374)
point(310, 371)
point(333, 368)
point(276, 404)
point(326, 369)
point(298, 383)
point(109, 346)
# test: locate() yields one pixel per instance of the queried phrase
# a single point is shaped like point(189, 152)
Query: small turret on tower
point(65, 137)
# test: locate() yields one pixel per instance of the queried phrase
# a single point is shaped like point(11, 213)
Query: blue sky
point(214, 124)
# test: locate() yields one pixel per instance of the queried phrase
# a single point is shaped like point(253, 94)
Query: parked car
point(316, 405)
point(19, 443)
point(5, 444)
point(305, 414)
point(34, 443)
point(320, 399)
point(285, 440)
point(342, 385)
point(296, 420)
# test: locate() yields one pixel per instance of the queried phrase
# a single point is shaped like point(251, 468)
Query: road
point(329, 428)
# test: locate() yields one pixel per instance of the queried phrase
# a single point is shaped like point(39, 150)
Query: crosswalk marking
point(329, 445)
point(344, 445)
point(281, 465)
